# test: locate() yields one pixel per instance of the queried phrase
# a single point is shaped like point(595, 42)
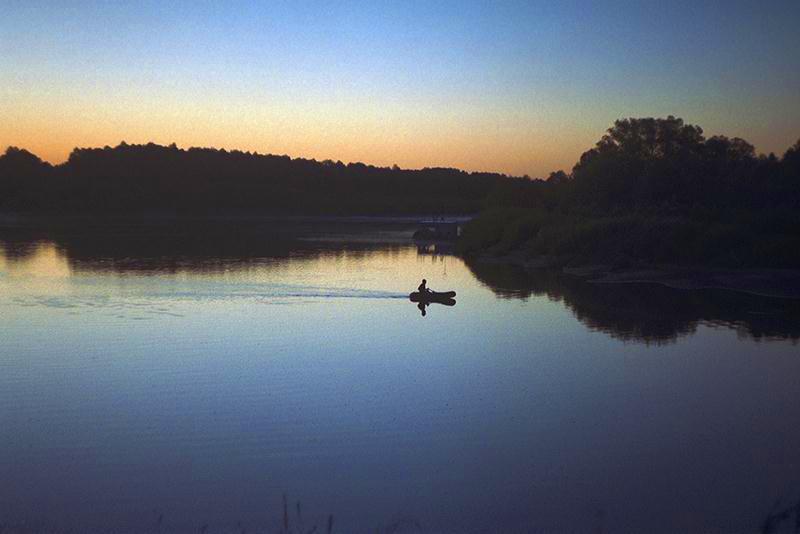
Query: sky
point(513, 87)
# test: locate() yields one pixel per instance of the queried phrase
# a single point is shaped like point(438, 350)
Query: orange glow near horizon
point(517, 88)
point(511, 141)
point(411, 137)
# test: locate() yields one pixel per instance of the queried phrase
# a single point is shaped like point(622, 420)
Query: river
point(185, 377)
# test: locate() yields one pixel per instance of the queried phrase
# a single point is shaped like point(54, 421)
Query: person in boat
point(423, 288)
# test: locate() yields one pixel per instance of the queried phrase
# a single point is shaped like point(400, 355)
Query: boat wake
point(162, 298)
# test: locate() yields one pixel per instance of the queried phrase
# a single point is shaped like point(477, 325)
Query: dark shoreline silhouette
point(652, 191)
point(154, 179)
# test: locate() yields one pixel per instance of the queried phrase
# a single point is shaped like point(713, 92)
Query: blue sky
point(518, 87)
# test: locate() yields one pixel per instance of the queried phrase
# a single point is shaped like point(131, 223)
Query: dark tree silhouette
point(152, 179)
point(655, 190)
point(651, 188)
point(23, 179)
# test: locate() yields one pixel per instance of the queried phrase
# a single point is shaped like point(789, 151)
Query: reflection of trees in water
point(170, 248)
point(647, 313)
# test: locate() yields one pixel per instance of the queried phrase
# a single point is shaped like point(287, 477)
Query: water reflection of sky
point(202, 390)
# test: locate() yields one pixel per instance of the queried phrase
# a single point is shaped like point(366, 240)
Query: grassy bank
point(729, 240)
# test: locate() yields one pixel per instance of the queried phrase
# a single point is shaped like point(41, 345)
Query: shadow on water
point(648, 313)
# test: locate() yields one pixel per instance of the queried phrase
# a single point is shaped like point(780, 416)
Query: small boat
point(433, 296)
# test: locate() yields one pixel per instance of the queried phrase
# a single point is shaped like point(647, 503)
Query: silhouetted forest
point(147, 179)
point(653, 190)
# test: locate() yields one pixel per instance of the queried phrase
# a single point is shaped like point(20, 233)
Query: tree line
point(665, 164)
point(166, 179)
point(640, 165)
point(652, 190)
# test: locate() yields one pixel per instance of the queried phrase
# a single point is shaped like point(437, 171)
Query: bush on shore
point(620, 240)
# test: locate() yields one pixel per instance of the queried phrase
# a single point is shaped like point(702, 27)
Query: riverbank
point(776, 283)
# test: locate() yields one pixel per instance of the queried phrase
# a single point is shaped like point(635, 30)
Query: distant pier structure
point(439, 229)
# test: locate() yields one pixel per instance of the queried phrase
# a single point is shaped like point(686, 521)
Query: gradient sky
point(515, 87)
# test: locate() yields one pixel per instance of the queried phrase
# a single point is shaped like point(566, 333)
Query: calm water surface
point(165, 379)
